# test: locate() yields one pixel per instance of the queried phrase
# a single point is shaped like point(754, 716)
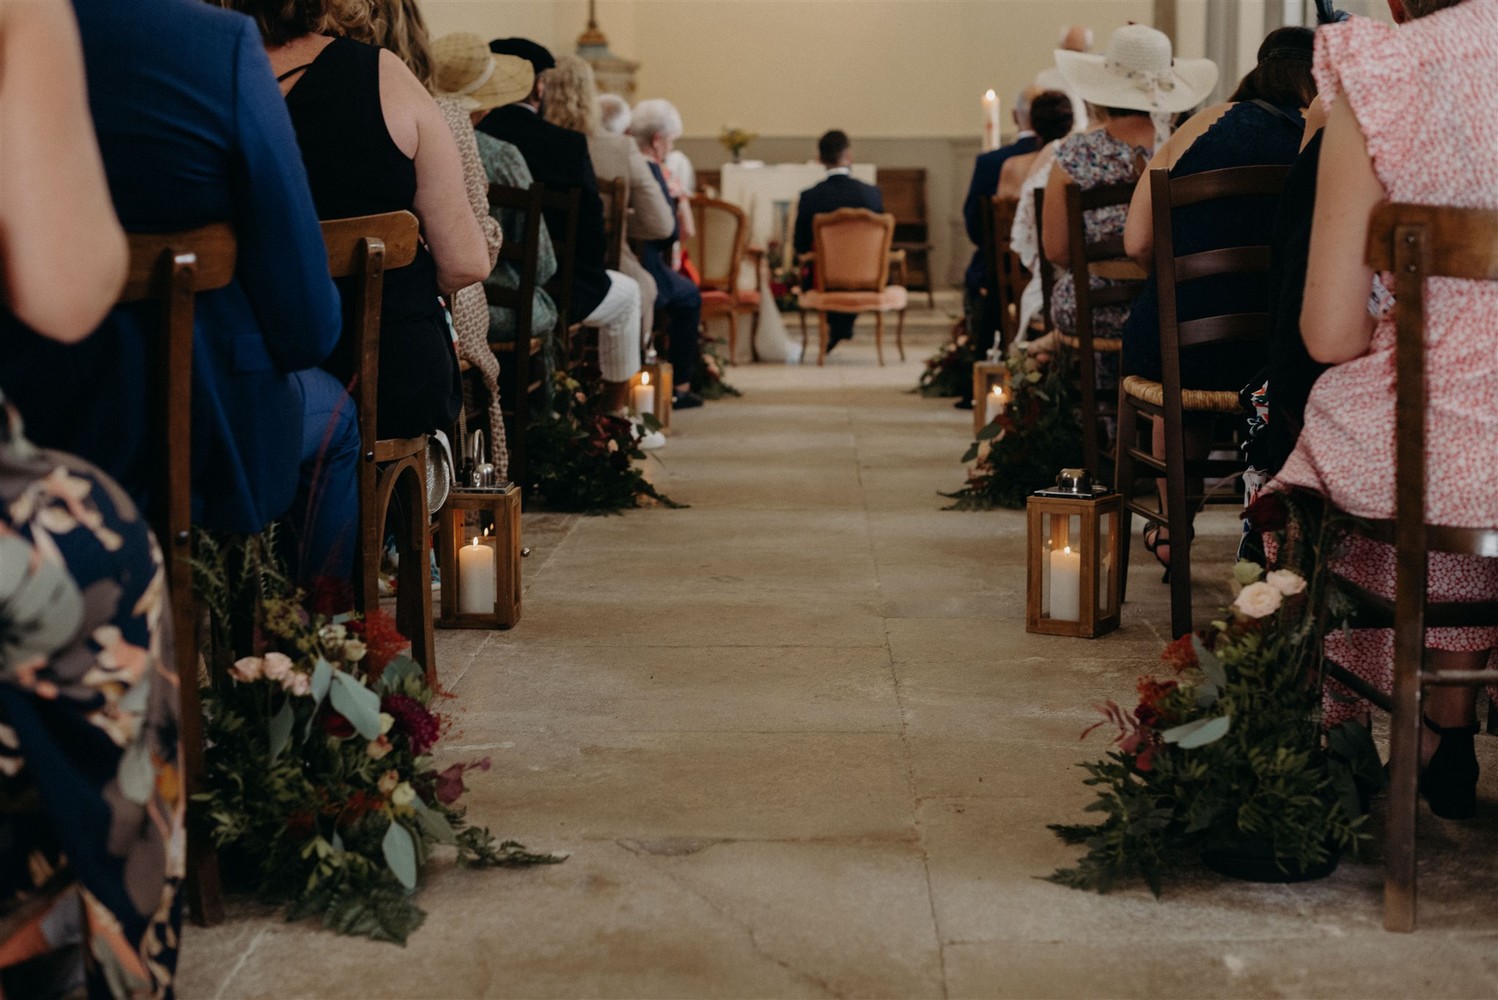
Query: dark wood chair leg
point(1087, 372)
point(1123, 484)
point(1178, 519)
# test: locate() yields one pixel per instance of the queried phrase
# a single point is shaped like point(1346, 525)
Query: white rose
point(1258, 600)
point(247, 669)
point(277, 666)
point(1287, 582)
point(403, 794)
point(332, 633)
point(354, 650)
point(387, 722)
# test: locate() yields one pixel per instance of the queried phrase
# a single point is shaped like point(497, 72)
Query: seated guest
point(1370, 75)
point(614, 116)
point(558, 158)
point(197, 133)
point(981, 305)
point(655, 126)
point(1050, 117)
point(840, 190)
point(1074, 38)
point(374, 141)
point(1128, 87)
point(572, 102)
point(83, 698)
point(1260, 124)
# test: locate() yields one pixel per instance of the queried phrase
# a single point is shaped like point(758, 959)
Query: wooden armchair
point(362, 248)
point(615, 195)
point(852, 258)
point(719, 248)
point(170, 269)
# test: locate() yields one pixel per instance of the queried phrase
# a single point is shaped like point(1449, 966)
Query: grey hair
point(614, 114)
point(1022, 107)
point(653, 117)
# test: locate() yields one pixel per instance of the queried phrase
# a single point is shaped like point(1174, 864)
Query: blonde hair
point(572, 95)
point(396, 25)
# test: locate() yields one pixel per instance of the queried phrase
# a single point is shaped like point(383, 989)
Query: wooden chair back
point(1417, 243)
point(615, 196)
point(1087, 258)
point(171, 269)
point(1046, 268)
point(517, 378)
point(363, 248)
point(717, 248)
point(564, 241)
point(903, 190)
point(852, 250)
point(1007, 272)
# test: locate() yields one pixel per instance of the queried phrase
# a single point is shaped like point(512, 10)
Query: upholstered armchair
point(718, 249)
point(851, 264)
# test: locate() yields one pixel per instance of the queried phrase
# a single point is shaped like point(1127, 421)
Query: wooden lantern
point(659, 382)
point(990, 392)
point(478, 546)
point(1072, 584)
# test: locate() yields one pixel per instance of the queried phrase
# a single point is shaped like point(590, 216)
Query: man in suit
point(193, 130)
point(839, 190)
point(982, 309)
point(558, 158)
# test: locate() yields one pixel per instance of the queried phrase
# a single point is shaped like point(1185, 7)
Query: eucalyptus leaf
point(280, 729)
point(1198, 732)
point(398, 670)
point(989, 431)
point(400, 854)
point(434, 824)
point(322, 678)
point(356, 703)
point(1210, 664)
point(1207, 694)
point(970, 454)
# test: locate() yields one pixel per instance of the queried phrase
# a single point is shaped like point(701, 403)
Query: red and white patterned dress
point(1426, 99)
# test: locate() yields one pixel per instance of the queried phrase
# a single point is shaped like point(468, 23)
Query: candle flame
point(998, 392)
point(475, 539)
point(486, 532)
point(1067, 550)
point(989, 94)
point(644, 378)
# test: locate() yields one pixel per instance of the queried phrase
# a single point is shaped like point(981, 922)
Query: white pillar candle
point(476, 579)
point(990, 121)
point(642, 395)
point(994, 404)
point(1066, 585)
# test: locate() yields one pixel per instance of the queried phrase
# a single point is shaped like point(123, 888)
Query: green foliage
point(949, 371)
point(581, 456)
point(1226, 749)
point(1038, 433)
point(707, 376)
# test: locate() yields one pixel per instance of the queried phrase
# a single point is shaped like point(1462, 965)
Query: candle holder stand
point(661, 380)
point(492, 517)
point(987, 375)
point(1071, 587)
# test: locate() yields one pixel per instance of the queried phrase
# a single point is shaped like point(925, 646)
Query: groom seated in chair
point(839, 190)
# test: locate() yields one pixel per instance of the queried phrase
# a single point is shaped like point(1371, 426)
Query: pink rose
point(380, 747)
point(277, 666)
point(297, 683)
point(247, 669)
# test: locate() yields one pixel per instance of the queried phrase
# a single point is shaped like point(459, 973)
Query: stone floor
point(798, 743)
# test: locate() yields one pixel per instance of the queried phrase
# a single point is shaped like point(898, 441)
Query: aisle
point(799, 744)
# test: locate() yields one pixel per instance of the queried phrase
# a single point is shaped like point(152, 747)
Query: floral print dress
point(91, 798)
point(1346, 450)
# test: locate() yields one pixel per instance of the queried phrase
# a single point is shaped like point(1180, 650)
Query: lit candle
point(990, 120)
point(1066, 585)
point(994, 404)
point(476, 579)
point(642, 394)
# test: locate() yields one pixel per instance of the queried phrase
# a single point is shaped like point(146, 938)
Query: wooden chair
point(719, 248)
point(1047, 270)
point(903, 190)
point(1170, 399)
point(1416, 243)
point(362, 248)
point(615, 196)
point(564, 241)
point(170, 269)
point(851, 248)
point(1008, 275)
point(1105, 258)
point(520, 369)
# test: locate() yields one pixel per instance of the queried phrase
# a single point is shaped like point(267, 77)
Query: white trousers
point(618, 321)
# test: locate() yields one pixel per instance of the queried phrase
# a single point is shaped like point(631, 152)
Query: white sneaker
point(652, 441)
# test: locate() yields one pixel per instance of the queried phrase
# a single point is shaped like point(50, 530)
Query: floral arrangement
point(785, 278)
point(1224, 756)
point(949, 371)
point(735, 140)
point(707, 377)
point(1038, 432)
point(322, 786)
point(581, 455)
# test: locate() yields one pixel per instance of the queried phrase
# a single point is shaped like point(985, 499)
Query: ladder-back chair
point(1008, 274)
point(362, 248)
point(521, 371)
point(851, 249)
point(615, 196)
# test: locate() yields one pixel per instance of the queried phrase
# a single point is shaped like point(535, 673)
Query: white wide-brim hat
point(465, 70)
point(1138, 73)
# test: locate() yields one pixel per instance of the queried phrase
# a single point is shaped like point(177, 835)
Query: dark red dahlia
point(383, 639)
point(1180, 655)
point(415, 721)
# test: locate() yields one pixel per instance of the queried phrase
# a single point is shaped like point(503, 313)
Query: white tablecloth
point(768, 194)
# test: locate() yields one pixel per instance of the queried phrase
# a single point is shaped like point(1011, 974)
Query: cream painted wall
point(876, 68)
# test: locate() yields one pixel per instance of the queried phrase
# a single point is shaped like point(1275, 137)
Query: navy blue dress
point(1247, 135)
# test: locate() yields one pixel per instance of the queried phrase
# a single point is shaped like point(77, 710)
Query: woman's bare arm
point(62, 253)
point(1054, 236)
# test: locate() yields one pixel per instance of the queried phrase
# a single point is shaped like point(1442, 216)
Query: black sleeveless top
point(355, 168)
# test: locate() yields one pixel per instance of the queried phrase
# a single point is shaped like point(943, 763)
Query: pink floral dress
point(1424, 95)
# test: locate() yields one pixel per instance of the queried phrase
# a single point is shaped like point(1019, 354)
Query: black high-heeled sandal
point(1449, 781)
point(1152, 543)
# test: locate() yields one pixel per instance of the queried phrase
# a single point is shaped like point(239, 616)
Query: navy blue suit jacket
point(193, 130)
point(837, 191)
point(984, 185)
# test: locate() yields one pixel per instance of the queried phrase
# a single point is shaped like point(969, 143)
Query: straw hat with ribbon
point(1138, 73)
point(466, 71)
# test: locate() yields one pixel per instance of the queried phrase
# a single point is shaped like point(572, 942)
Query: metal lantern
point(990, 392)
point(1071, 587)
point(650, 392)
point(478, 546)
